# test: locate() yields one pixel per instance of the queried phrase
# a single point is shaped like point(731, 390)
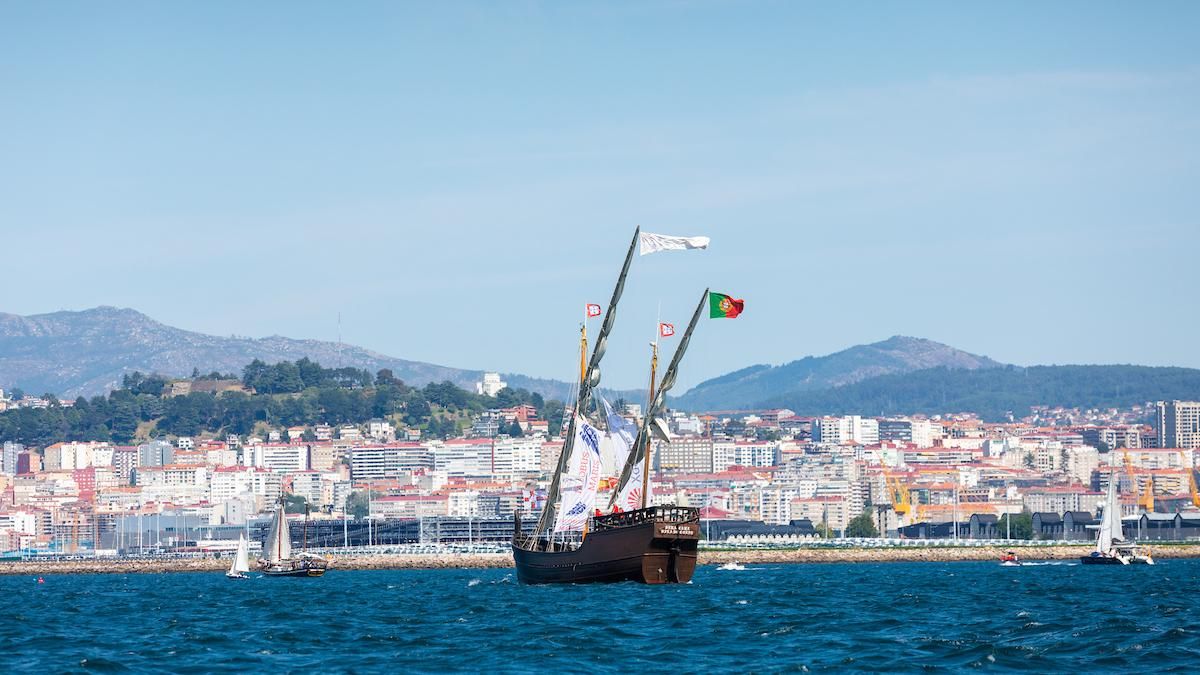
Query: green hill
point(994, 392)
point(898, 354)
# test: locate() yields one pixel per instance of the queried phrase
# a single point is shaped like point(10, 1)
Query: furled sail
point(589, 381)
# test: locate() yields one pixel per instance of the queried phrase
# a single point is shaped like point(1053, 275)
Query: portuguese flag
point(722, 306)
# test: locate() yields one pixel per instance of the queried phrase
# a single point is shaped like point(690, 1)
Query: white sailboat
point(1111, 547)
point(241, 561)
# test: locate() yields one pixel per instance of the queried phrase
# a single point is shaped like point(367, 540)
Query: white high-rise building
point(488, 458)
point(922, 433)
point(1082, 460)
point(463, 503)
point(756, 454)
point(282, 458)
point(156, 453)
point(389, 461)
point(237, 482)
point(9, 462)
point(865, 430)
point(1178, 424)
point(848, 429)
point(491, 384)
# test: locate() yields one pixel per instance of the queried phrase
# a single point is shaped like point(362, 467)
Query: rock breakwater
point(500, 560)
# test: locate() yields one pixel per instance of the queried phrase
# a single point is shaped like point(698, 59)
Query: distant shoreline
point(931, 553)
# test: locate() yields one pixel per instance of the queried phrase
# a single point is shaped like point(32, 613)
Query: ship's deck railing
point(566, 541)
point(661, 514)
point(562, 541)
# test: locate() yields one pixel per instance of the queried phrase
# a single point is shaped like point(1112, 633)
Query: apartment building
point(1178, 424)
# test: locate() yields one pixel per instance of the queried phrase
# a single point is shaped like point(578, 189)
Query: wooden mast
point(591, 378)
point(642, 442)
point(582, 381)
point(647, 421)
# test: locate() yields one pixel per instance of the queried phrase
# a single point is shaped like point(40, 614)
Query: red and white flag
point(666, 329)
point(593, 310)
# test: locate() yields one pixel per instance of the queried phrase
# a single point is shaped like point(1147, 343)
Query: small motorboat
point(1010, 559)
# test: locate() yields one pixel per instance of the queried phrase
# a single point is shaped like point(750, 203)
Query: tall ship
point(278, 559)
point(573, 541)
point(1111, 546)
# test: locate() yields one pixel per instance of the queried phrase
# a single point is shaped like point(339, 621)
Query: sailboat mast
point(280, 523)
point(642, 443)
point(589, 380)
point(647, 420)
point(583, 351)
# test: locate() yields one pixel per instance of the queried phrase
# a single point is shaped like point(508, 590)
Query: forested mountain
point(899, 354)
point(92, 351)
point(89, 352)
point(994, 392)
point(286, 394)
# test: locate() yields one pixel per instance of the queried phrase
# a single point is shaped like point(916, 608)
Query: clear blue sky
point(457, 179)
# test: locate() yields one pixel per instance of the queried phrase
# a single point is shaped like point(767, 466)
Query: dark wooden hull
point(294, 568)
point(653, 546)
point(294, 573)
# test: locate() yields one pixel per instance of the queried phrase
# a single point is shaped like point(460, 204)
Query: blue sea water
point(1053, 617)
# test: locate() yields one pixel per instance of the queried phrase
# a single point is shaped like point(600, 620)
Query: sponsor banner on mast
point(630, 498)
point(621, 433)
point(581, 479)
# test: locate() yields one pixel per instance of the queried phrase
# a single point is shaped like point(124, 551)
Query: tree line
point(994, 393)
point(300, 393)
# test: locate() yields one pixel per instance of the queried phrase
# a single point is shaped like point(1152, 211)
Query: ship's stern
point(671, 556)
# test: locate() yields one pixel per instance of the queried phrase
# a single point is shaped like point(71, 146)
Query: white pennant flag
point(653, 243)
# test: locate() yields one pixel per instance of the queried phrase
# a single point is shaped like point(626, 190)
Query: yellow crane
point(1191, 474)
point(1144, 500)
point(901, 501)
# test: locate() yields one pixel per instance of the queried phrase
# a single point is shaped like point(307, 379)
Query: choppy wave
point(837, 617)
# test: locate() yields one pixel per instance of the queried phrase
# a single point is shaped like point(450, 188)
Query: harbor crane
point(1144, 500)
point(899, 492)
point(1191, 474)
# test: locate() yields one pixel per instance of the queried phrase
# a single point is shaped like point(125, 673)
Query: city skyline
point(291, 372)
point(456, 182)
